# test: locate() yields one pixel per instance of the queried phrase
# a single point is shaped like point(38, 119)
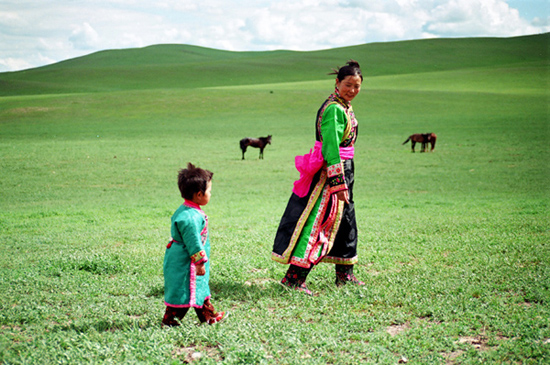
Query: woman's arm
point(333, 126)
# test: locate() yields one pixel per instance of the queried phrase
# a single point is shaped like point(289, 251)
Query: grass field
point(454, 245)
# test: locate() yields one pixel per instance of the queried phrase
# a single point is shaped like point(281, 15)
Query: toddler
point(186, 261)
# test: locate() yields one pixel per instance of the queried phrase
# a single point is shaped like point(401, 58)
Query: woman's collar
point(341, 99)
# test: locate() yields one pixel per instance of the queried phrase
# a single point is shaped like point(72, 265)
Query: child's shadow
point(249, 290)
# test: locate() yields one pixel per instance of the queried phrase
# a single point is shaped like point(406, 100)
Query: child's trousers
point(206, 314)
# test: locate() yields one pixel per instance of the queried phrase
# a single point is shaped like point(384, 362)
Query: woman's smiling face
point(349, 87)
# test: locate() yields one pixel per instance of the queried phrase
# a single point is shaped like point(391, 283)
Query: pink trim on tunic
point(310, 163)
point(187, 305)
point(193, 284)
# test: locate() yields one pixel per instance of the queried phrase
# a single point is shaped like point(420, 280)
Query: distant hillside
point(183, 66)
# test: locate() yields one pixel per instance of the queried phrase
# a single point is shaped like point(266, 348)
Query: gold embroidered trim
point(303, 218)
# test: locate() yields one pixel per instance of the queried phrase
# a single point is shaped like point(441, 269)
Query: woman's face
point(349, 87)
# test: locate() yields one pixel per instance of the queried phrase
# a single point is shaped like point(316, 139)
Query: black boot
point(295, 278)
point(344, 274)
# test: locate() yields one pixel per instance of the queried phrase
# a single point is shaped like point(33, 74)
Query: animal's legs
point(413, 143)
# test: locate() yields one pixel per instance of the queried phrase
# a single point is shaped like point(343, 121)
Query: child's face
point(201, 198)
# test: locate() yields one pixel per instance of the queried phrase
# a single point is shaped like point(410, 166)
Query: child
point(186, 261)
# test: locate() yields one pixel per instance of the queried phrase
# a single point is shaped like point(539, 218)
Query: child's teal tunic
point(188, 247)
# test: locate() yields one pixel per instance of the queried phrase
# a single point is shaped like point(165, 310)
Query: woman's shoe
point(296, 286)
point(343, 278)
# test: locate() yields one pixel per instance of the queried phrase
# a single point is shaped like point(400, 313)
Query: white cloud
point(84, 37)
point(456, 18)
point(34, 33)
point(11, 22)
point(14, 63)
point(541, 22)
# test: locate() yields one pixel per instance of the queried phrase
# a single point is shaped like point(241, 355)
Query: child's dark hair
point(193, 180)
point(350, 69)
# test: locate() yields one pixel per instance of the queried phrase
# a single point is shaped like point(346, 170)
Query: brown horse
point(423, 138)
point(255, 142)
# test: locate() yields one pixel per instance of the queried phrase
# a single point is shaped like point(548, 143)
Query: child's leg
point(171, 314)
point(208, 314)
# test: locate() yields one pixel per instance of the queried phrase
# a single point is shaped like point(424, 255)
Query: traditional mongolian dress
point(316, 226)
point(189, 246)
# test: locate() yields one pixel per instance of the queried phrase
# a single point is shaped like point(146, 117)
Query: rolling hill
point(183, 66)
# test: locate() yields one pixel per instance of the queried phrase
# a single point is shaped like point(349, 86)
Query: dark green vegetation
point(454, 244)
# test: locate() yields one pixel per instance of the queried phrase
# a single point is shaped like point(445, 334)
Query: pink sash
point(310, 163)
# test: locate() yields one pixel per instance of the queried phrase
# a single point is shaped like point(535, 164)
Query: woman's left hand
point(343, 196)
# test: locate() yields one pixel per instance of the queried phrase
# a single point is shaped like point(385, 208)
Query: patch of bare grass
point(189, 354)
point(396, 329)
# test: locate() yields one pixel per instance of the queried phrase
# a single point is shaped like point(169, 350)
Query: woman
point(319, 224)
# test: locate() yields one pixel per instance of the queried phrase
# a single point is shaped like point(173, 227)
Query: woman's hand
point(201, 270)
point(343, 196)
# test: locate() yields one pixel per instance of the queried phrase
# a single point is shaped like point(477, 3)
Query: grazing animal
point(423, 138)
point(255, 142)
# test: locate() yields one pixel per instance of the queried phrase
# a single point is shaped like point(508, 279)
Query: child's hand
point(201, 270)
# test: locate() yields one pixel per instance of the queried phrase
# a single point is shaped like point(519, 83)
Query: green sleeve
point(333, 126)
point(190, 230)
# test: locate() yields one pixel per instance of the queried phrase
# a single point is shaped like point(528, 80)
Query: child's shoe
point(220, 316)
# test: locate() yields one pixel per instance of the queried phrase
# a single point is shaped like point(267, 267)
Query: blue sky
point(39, 32)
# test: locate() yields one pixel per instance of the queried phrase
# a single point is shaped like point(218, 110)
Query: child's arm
point(191, 233)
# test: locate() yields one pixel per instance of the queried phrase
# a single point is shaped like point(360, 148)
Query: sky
point(34, 33)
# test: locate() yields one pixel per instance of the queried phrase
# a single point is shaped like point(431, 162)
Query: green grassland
point(454, 245)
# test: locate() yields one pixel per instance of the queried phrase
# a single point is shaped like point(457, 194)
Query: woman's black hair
point(351, 68)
